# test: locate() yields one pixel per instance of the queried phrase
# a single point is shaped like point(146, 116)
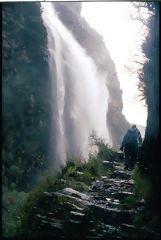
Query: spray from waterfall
point(79, 92)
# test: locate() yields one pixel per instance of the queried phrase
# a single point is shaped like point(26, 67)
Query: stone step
point(121, 195)
point(121, 174)
point(133, 232)
point(108, 231)
point(100, 212)
point(124, 181)
point(109, 215)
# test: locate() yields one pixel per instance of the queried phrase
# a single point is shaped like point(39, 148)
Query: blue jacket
point(132, 137)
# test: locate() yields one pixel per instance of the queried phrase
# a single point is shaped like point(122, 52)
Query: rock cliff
point(88, 38)
point(25, 92)
point(26, 86)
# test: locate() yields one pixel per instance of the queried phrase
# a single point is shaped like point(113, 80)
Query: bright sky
point(123, 37)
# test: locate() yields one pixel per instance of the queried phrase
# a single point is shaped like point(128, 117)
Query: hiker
point(130, 146)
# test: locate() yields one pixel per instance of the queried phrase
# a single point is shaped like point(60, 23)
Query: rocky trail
point(99, 212)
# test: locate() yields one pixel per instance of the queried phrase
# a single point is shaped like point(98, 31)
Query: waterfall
point(79, 92)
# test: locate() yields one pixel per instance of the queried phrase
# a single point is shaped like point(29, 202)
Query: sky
point(123, 37)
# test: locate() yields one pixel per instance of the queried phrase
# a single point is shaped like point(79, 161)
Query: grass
point(75, 174)
point(143, 187)
point(12, 203)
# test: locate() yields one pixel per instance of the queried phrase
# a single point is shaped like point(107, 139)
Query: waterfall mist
point(79, 92)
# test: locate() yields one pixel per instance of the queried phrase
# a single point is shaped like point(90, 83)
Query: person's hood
point(132, 129)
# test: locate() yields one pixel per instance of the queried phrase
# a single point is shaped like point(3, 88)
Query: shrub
point(69, 170)
point(12, 201)
point(14, 171)
point(143, 187)
point(75, 174)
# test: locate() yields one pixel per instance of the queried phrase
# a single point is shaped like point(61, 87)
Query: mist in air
point(79, 92)
point(123, 37)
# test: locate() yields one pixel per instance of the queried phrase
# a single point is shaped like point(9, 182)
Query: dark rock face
point(26, 85)
point(26, 95)
point(93, 43)
point(151, 76)
point(151, 164)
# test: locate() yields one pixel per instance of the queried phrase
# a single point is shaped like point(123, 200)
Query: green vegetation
point(150, 165)
point(143, 194)
point(12, 202)
point(138, 220)
point(75, 174)
point(26, 109)
point(84, 172)
point(27, 121)
point(25, 95)
point(143, 187)
point(144, 190)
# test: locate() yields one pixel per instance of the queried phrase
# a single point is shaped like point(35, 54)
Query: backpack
point(131, 137)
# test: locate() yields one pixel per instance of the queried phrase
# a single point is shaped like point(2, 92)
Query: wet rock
point(124, 181)
point(77, 213)
point(75, 199)
point(98, 212)
point(73, 192)
point(110, 215)
point(103, 177)
point(107, 162)
point(121, 174)
point(79, 173)
point(133, 232)
point(121, 194)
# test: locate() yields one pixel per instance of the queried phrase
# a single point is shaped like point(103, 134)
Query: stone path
point(98, 213)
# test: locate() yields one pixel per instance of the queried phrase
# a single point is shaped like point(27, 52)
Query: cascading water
point(80, 97)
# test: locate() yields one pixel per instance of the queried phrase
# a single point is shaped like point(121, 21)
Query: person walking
point(130, 146)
